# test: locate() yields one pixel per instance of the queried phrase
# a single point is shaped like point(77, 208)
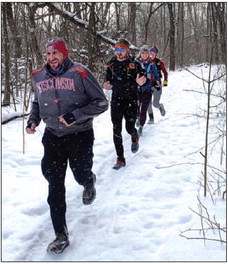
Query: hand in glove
point(30, 129)
point(157, 85)
point(165, 83)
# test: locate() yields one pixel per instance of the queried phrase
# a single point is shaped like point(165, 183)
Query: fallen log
point(12, 118)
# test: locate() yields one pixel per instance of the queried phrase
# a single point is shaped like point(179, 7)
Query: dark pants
point(123, 109)
point(144, 100)
point(78, 150)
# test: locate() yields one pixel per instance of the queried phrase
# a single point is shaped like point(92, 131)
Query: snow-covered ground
point(139, 211)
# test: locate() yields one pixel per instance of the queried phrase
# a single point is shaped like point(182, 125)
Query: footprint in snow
point(35, 211)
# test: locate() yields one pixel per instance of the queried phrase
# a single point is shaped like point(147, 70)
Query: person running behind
point(145, 91)
point(123, 75)
point(157, 92)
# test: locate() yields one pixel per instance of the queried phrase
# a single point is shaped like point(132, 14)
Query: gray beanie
point(144, 48)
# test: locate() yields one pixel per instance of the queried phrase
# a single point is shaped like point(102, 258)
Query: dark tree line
point(184, 32)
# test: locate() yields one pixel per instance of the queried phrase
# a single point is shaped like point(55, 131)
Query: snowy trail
point(139, 211)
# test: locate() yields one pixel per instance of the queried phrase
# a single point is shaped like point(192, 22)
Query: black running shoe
point(89, 193)
point(118, 165)
point(59, 244)
point(151, 118)
point(151, 121)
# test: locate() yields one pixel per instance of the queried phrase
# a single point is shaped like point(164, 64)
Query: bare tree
point(210, 230)
point(215, 33)
point(34, 45)
point(6, 43)
point(182, 31)
point(209, 89)
point(132, 23)
point(117, 11)
point(180, 34)
point(221, 16)
point(171, 36)
point(105, 7)
point(92, 37)
point(13, 29)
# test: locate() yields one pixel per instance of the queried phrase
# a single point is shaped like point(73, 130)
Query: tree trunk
point(33, 40)
point(221, 17)
point(104, 14)
point(148, 22)
point(117, 13)
point(92, 39)
point(13, 29)
point(131, 25)
point(180, 35)
point(171, 37)
point(209, 31)
point(209, 89)
point(215, 34)
point(6, 45)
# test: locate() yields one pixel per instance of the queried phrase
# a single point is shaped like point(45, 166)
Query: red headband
point(59, 45)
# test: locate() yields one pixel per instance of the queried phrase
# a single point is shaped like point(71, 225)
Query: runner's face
point(55, 58)
point(152, 55)
point(144, 55)
point(121, 55)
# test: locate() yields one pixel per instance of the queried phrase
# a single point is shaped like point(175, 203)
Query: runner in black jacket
point(123, 76)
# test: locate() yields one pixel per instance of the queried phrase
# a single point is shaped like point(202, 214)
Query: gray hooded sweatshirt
point(73, 90)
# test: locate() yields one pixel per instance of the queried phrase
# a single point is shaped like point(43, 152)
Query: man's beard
point(121, 57)
point(55, 66)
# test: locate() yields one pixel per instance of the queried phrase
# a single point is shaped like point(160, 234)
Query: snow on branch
point(82, 23)
point(13, 116)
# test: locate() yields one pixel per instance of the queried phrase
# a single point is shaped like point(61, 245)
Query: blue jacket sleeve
point(154, 72)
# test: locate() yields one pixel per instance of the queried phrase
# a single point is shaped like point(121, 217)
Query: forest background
point(186, 34)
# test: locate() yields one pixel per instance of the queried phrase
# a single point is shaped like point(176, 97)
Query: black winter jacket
point(122, 76)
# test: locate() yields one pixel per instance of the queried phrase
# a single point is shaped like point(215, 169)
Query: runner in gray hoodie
point(67, 98)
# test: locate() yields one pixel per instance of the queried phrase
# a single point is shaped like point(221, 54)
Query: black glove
point(69, 118)
point(29, 125)
point(157, 85)
point(158, 88)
